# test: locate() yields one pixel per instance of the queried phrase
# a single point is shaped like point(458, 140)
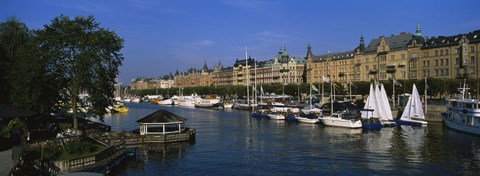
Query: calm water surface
point(232, 143)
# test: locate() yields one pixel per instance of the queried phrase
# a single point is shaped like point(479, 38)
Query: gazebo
point(161, 122)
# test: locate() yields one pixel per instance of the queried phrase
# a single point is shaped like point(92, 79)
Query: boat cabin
point(463, 104)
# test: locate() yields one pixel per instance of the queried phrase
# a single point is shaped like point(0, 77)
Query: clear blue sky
point(162, 36)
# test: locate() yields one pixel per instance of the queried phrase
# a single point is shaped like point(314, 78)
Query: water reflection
point(233, 143)
point(146, 158)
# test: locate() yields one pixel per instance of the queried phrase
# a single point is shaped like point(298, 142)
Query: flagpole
point(350, 91)
point(322, 89)
point(310, 96)
point(393, 96)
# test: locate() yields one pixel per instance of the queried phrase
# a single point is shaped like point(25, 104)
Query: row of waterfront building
point(402, 56)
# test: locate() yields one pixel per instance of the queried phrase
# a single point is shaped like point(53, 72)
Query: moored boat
point(345, 120)
point(463, 114)
point(308, 118)
point(413, 109)
point(120, 108)
point(276, 116)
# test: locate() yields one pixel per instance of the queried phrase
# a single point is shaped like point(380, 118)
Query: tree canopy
point(47, 69)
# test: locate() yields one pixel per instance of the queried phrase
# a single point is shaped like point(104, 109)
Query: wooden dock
point(130, 138)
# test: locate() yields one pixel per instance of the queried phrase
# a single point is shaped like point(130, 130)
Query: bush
point(65, 126)
point(80, 147)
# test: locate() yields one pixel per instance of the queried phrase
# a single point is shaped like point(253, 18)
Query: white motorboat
point(136, 100)
point(345, 120)
point(463, 114)
point(309, 118)
point(227, 105)
point(166, 102)
point(276, 116)
point(188, 101)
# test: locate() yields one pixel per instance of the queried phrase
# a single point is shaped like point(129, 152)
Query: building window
point(392, 57)
point(446, 72)
point(472, 59)
point(457, 50)
point(441, 61)
point(436, 62)
point(424, 64)
point(441, 52)
point(441, 72)
point(446, 61)
point(472, 49)
point(413, 74)
point(425, 54)
point(436, 72)
point(413, 64)
point(402, 56)
point(446, 51)
point(436, 52)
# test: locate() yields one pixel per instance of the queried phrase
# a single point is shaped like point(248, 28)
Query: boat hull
point(260, 115)
point(290, 118)
point(307, 120)
point(413, 123)
point(448, 122)
point(276, 116)
point(344, 123)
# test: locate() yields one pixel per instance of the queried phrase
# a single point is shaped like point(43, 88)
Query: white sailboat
point(372, 110)
point(413, 109)
point(384, 107)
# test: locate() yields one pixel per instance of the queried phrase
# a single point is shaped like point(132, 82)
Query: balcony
point(373, 71)
point(284, 70)
point(391, 69)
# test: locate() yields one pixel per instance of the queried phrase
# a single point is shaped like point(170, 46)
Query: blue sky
point(163, 36)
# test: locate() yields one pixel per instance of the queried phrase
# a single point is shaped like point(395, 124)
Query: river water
point(232, 143)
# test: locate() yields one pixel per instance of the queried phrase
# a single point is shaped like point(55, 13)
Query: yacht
point(308, 118)
point(463, 114)
point(345, 120)
point(208, 102)
point(188, 101)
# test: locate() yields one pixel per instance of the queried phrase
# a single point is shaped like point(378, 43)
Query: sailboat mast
point(246, 71)
point(255, 71)
point(426, 87)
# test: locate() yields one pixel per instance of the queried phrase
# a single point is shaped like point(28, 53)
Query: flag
point(325, 79)
point(314, 88)
point(398, 83)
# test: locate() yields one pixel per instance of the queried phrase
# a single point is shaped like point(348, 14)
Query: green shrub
point(80, 147)
point(65, 126)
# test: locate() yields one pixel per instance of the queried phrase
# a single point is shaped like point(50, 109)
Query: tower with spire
point(418, 31)
point(361, 45)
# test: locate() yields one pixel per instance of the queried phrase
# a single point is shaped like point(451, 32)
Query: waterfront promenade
point(6, 162)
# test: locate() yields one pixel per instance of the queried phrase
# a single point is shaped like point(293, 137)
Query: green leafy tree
point(14, 36)
point(85, 58)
